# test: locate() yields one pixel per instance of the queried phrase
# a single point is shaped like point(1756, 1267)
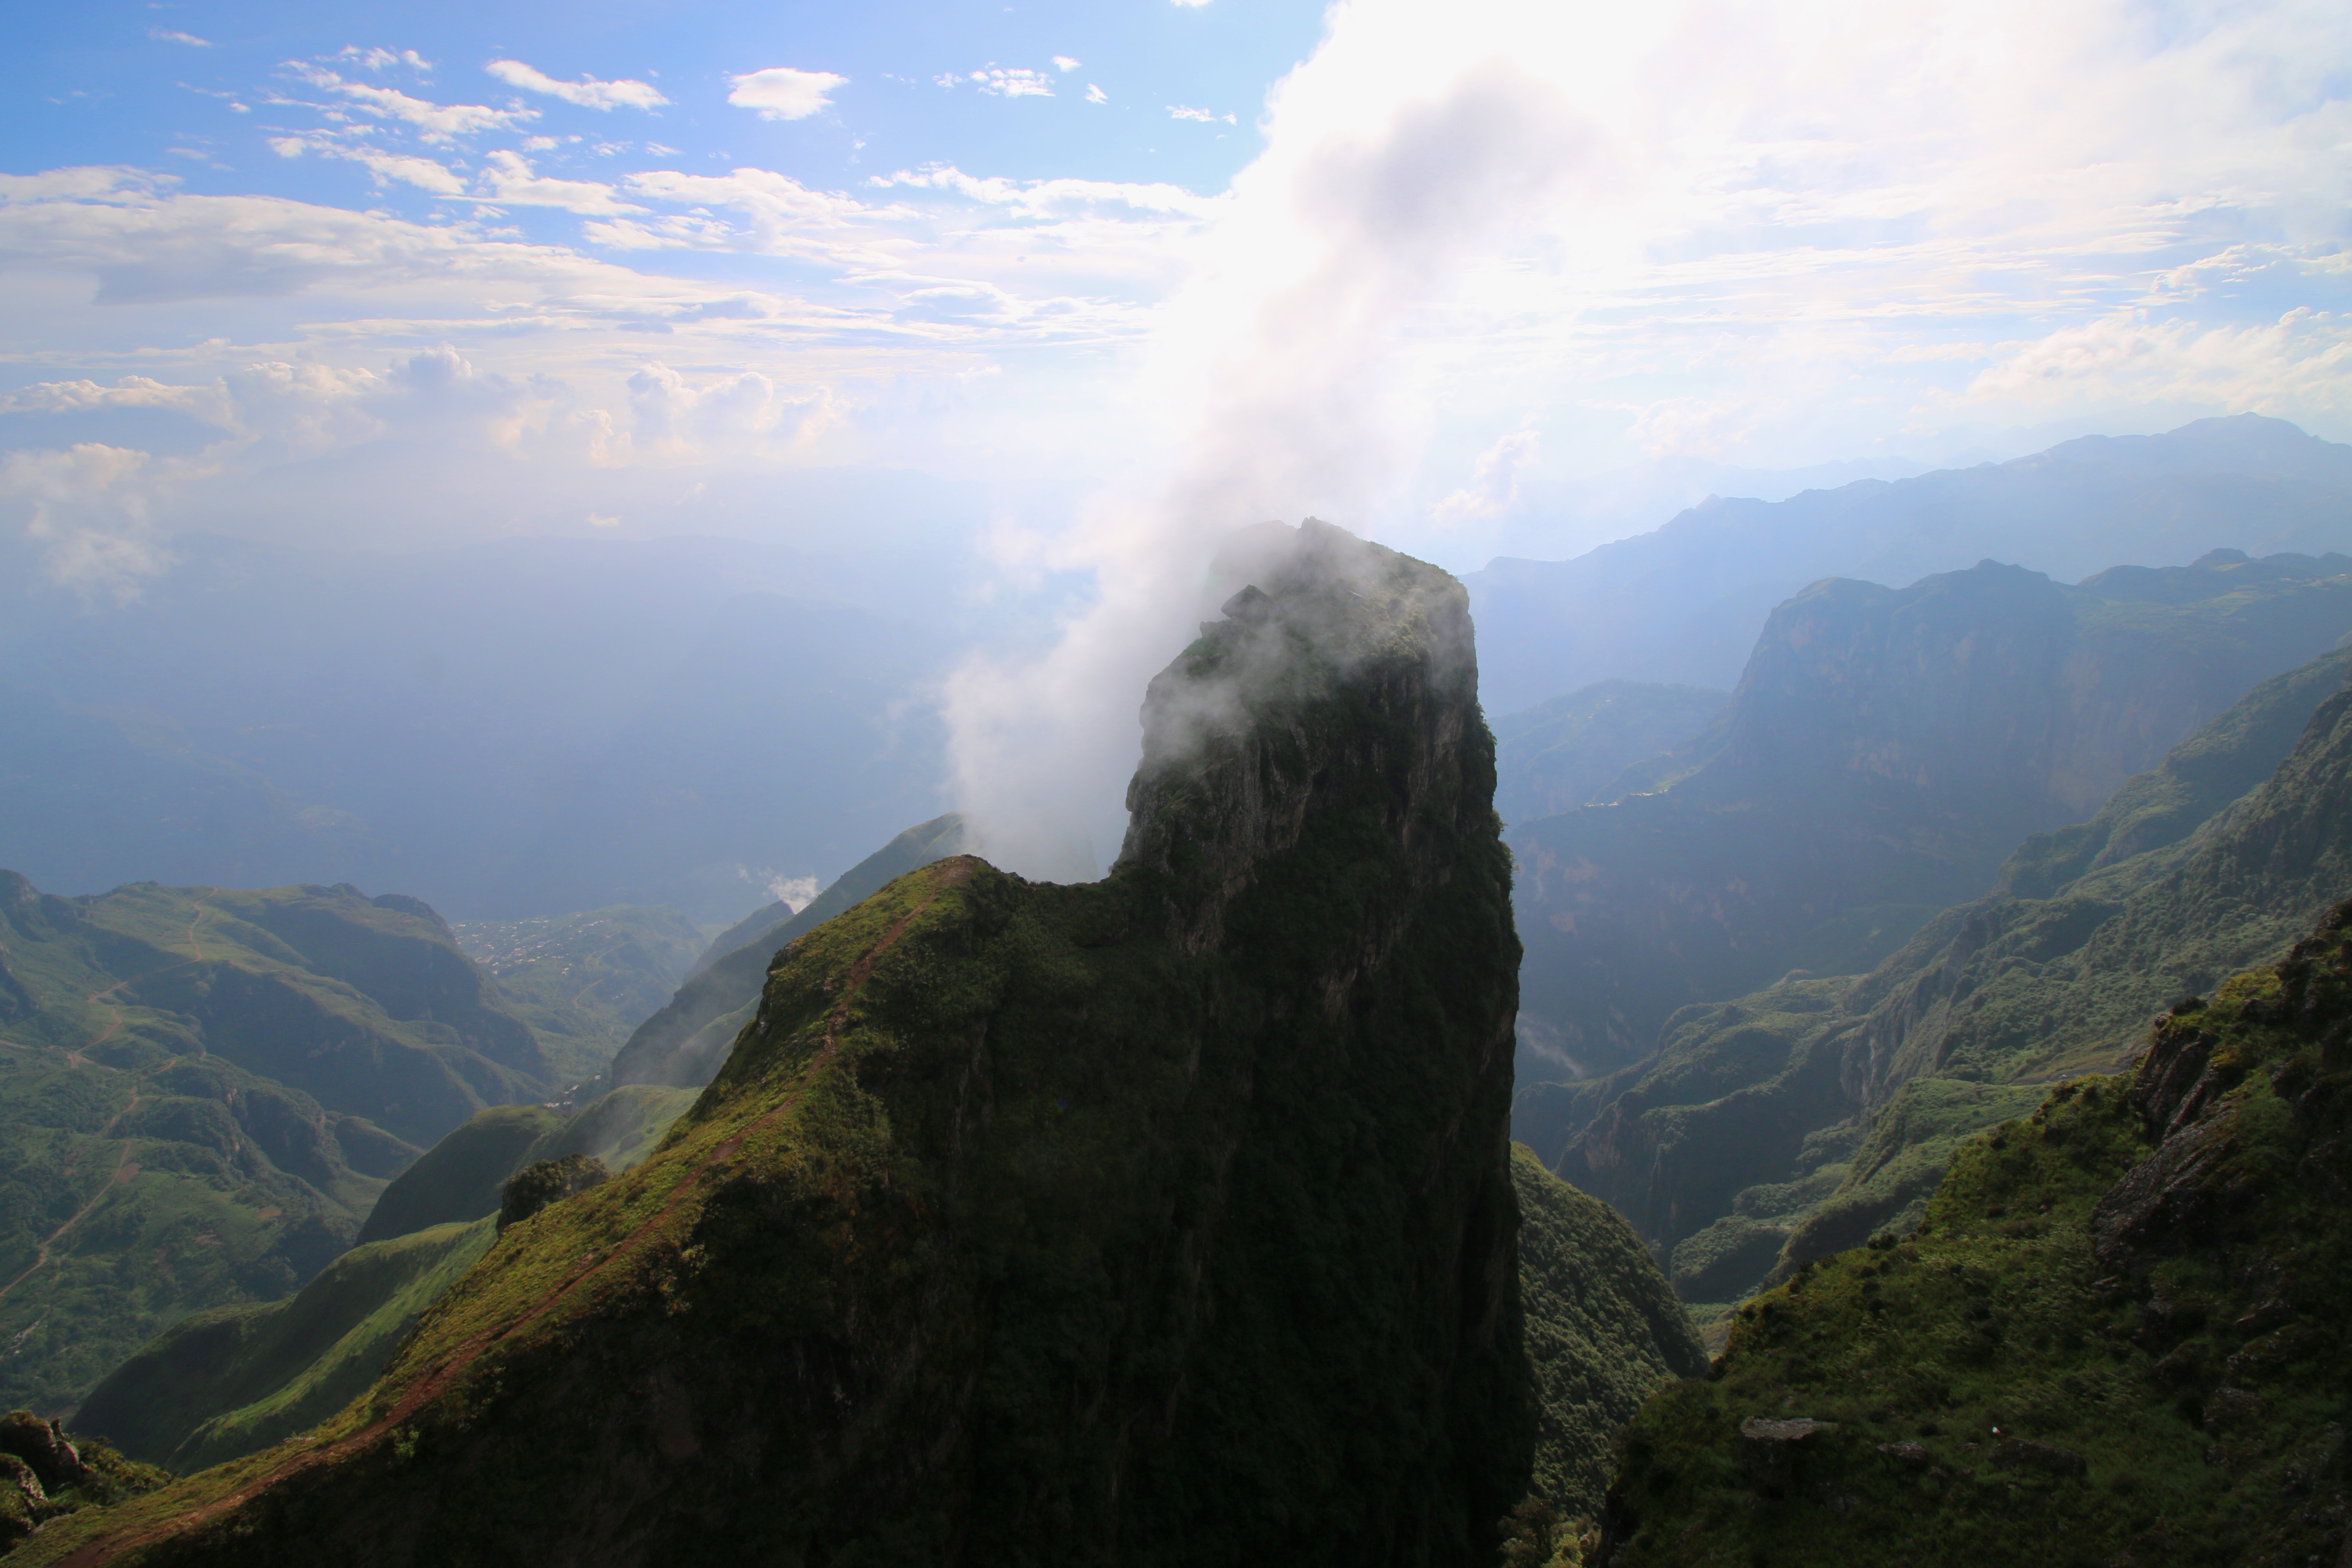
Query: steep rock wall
point(1166, 1219)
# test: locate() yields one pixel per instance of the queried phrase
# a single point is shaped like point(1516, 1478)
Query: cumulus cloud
point(88, 510)
point(1390, 159)
point(508, 179)
point(781, 92)
point(1494, 486)
point(1096, 94)
point(376, 58)
point(1207, 116)
point(588, 93)
point(1065, 63)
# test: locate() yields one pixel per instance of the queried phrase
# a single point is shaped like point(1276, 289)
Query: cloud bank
point(1457, 204)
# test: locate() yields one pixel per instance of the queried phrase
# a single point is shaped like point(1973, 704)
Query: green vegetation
point(137, 1186)
point(1603, 1332)
point(1561, 753)
point(195, 1088)
point(46, 1475)
point(582, 982)
point(1161, 1219)
point(460, 1177)
point(1885, 751)
point(364, 1004)
point(1800, 1120)
point(223, 1383)
point(2116, 1336)
point(681, 1045)
point(544, 1181)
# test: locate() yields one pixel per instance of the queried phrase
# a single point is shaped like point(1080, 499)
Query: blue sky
point(1058, 295)
point(404, 275)
point(124, 84)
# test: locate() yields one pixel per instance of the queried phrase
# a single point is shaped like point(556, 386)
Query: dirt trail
point(199, 915)
point(438, 1380)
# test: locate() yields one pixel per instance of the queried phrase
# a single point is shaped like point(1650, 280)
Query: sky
point(1114, 278)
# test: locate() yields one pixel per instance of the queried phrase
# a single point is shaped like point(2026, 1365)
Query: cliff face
point(1163, 1219)
point(1884, 751)
point(2117, 1337)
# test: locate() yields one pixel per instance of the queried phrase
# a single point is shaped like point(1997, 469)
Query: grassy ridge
point(2116, 1337)
point(223, 1383)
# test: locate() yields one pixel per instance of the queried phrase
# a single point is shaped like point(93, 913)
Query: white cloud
point(1065, 63)
point(89, 511)
point(386, 167)
point(434, 121)
point(1039, 196)
point(507, 180)
point(377, 59)
point(1003, 83)
point(781, 92)
point(1494, 484)
point(587, 92)
point(2300, 361)
point(1096, 94)
point(167, 36)
point(1178, 111)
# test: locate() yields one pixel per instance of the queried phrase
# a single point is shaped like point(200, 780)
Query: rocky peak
point(1338, 661)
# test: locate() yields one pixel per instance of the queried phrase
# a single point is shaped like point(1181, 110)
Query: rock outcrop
point(1166, 1219)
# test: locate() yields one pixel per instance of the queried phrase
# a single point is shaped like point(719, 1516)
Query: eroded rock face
point(1166, 1219)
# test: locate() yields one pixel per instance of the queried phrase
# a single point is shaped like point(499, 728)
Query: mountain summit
point(1165, 1219)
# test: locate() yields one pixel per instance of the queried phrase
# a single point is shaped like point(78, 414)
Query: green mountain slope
point(459, 1177)
point(2065, 1365)
point(223, 1383)
point(1603, 1332)
point(365, 1005)
point(1164, 1218)
point(1797, 1120)
point(681, 1045)
point(1561, 753)
point(137, 1186)
point(1885, 751)
point(582, 982)
point(195, 1088)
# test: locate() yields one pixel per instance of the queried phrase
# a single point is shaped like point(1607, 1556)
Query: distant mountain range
point(520, 729)
point(1885, 751)
point(1685, 602)
point(1792, 1121)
